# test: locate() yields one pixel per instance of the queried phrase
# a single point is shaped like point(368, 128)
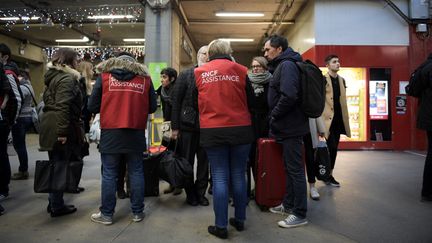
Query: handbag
point(188, 116)
point(34, 112)
point(166, 130)
point(85, 149)
point(57, 176)
point(322, 159)
point(175, 169)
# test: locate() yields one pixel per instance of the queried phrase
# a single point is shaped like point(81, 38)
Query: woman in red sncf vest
point(224, 98)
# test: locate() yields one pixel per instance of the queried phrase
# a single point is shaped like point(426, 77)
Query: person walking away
point(288, 124)
point(124, 96)
point(224, 97)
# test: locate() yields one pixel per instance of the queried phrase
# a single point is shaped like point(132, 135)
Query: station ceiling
point(58, 19)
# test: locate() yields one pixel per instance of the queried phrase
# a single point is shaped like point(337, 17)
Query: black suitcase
point(151, 174)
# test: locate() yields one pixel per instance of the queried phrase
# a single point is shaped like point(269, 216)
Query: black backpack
point(313, 88)
point(417, 83)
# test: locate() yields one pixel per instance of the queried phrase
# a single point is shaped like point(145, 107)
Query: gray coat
point(317, 127)
point(27, 94)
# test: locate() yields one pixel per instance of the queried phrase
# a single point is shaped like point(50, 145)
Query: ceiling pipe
point(398, 11)
point(204, 22)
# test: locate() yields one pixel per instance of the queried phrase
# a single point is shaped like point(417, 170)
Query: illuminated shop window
point(355, 79)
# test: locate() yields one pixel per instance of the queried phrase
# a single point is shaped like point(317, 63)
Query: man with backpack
point(335, 114)
point(288, 124)
point(10, 104)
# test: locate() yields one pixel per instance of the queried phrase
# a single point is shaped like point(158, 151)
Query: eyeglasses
point(256, 66)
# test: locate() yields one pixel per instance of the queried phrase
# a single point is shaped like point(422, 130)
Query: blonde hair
point(262, 61)
point(219, 47)
point(86, 70)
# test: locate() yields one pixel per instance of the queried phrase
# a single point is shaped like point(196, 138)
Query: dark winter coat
point(286, 117)
point(120, 140)
point(424, 117)
point(62, 110)
point(185, 112)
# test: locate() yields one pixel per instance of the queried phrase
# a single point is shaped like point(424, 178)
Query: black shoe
point(332, 182)
point(192, 201)
point(64, 211)
point(426, 198)
point(49, 207)
point(236, 224)
point(1, 210)
point(121, 194)
point(203, 201)
point(221, 233)
point(78, 190)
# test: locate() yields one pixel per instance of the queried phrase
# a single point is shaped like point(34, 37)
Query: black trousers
point(188, 146)
point(332, 144)
point(5, 169)
point(311, 165)
point(427, 173)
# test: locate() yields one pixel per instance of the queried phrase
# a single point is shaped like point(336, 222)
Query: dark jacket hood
point(53, 70)
point(288, 54)
point(12, 67)
point(121, 69)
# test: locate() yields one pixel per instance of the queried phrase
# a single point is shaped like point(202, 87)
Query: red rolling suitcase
point(270, 181)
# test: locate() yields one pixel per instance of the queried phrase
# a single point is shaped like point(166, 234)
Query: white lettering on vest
point(213, 76)
point(137, 85)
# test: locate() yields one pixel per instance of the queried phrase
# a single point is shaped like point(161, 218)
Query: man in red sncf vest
point(224, 98)
point(124, 96)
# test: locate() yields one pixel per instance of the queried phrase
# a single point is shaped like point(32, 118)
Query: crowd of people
point(217, 110)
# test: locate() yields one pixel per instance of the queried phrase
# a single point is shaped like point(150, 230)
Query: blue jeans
point(19, 130)
point(296, 191)
point(228, 167)
point(110, 166)
point(5, 169)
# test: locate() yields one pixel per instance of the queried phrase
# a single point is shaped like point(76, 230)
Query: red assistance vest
point(222, 100)
point(125, 104)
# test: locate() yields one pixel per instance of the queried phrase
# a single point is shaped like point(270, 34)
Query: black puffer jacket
point(424, 117)
point(185, 102)
point(286, 117)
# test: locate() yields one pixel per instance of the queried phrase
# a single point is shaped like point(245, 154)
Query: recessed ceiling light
point(239, 14)
point(84, 39)
point(18, 18)
point(111, 17)
point(237, 39)
point(134, 40)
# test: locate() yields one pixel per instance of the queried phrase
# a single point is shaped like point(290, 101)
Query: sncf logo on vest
point(213, 76)
point(136, 85)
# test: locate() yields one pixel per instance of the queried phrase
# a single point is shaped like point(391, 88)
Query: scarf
point(258, 81)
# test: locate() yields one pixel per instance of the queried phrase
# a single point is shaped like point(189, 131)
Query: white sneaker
point(314, 193)
point(292, 221)
point(101, 219)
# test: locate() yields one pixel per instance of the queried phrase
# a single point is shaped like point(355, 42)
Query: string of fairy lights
point(98, 54)
point(66, 17)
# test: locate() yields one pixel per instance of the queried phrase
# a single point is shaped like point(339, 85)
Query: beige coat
point(328, 113)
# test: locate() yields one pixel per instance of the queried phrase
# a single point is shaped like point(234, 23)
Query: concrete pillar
point(158, 41)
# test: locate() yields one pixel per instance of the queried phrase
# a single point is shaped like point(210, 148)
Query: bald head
point(202, 55)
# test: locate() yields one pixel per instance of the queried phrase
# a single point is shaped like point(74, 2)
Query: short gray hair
point(219, 47)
